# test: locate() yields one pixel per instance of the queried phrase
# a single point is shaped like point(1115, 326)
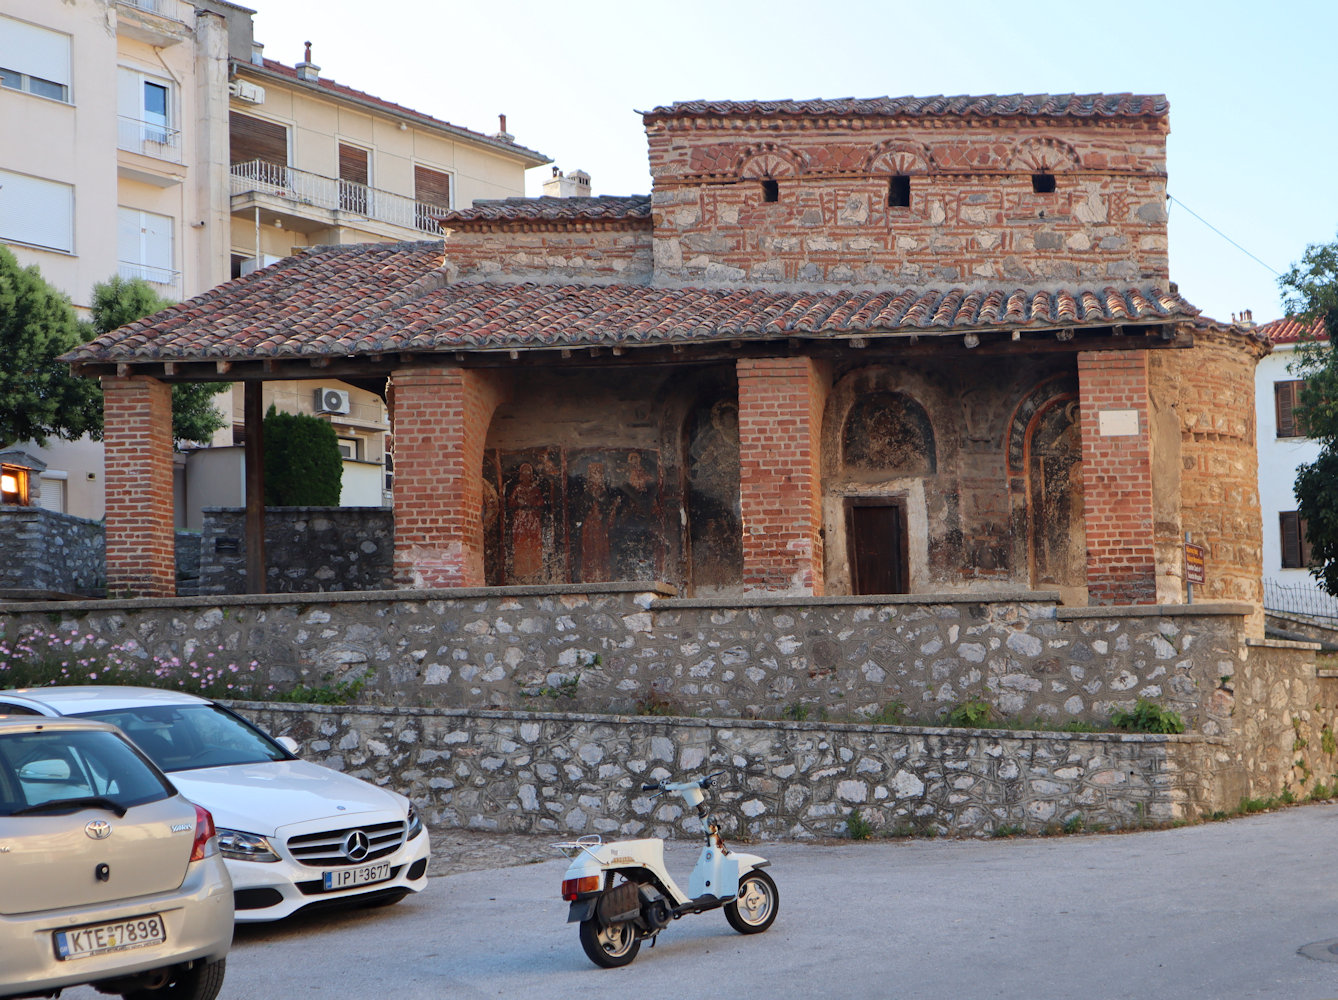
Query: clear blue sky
point(1254, 132)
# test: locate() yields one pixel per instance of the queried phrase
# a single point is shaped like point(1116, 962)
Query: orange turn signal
point(573, 887)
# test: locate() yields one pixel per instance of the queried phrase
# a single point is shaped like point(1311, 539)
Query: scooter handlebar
point(677, 786)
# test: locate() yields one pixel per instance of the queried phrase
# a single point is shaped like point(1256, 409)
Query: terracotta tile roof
point(548, 209)
point(988, 105)
point(308, 300)
point(340, 90)
point(340, 302)
point(1290, 330)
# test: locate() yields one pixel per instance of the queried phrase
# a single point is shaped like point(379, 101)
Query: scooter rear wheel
point(756, 906)
point(611, 946)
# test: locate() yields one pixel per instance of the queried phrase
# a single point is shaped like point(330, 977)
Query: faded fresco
point(888, 433)
point(585, 516)
point(715, 535)
point(1054, 496)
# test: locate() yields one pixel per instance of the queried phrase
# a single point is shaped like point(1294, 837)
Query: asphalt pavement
point(1245, 908)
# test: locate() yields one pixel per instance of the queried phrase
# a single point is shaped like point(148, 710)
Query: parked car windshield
point(81, 768)
point(186, 737)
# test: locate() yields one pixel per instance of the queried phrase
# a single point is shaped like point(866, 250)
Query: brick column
point(440, 419)
point(137, 438)
point(780, 423)
point(1117, 477)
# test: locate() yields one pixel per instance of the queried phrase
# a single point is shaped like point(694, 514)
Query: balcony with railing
point(312, 198)
point(158, 22)
point(148, 139)
point(169, 281)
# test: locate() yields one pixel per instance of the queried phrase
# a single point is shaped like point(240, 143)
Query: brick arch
point(1044, 154)
point(769, 161)
point(897, 156)
point(1040, 396)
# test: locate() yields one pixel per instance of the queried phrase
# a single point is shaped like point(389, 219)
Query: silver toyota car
point(107, 875)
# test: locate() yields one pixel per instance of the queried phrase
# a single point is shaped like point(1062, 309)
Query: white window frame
point(140, 130)
point(36, 212)
point(138, 253)
point(31, 56)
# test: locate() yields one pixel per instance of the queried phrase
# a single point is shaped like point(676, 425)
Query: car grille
point(326, 849)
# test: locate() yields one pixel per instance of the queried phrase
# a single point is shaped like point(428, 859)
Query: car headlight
point(415, 824)
point(241, 846)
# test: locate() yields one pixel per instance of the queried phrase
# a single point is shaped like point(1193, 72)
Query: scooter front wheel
point(756, 906)
point(611, 946)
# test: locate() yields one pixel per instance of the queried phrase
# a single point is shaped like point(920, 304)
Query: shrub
point(857, 826)
point(1148, 717)
point(972, 714)
point(303, 467)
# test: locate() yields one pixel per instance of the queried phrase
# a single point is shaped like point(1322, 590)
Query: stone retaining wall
point(49, 551)
point(569, 774)
point(610, 648)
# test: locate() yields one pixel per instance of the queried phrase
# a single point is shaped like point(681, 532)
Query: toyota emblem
point(356, 845)
point(98, 829)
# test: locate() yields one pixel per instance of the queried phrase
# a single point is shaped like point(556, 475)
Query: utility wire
point(1219, 232)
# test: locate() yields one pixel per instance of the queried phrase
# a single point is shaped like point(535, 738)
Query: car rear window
point(64, 765)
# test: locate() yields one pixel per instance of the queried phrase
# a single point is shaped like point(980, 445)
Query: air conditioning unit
point(247, 92)
point(331, 401)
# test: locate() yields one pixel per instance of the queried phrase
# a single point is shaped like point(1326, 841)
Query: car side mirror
point(289, 744)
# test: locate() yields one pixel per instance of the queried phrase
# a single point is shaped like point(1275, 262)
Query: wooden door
point(877, 534)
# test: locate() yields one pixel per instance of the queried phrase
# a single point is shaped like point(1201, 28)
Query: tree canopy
point(1310, 289)
point(39, 397)
point(303, 467)
point(120, 301)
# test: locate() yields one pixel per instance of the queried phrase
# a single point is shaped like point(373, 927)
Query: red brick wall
point(578, 254)
point(1117, 479)
point(440, 421)
point(780, 425)
point(973, 216)
point(137, 417)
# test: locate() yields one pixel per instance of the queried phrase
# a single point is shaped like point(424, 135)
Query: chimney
point(573, 185)
point(308, 70)
point(257, 53)
point(1246, 319)
point(502, 135)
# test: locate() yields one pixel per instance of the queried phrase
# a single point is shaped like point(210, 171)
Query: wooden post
point(253, 417)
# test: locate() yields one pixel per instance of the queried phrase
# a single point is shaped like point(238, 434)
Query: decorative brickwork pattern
point(780, 426)
point(440, 422)
point(1117, 477)
point(141, 556)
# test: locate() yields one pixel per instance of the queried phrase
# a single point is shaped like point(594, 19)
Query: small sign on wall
point(1117, 423)
point(1195, 563)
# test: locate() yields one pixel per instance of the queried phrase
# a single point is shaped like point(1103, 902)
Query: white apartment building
point(1283, 447)
point(160, 143)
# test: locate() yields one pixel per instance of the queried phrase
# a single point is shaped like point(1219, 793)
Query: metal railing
point(148, 138)
point(130, 270)
point(299, 187)
point(163, 8)
point(1299, 599)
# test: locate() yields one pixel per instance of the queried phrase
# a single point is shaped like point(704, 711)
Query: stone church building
point(898, 345)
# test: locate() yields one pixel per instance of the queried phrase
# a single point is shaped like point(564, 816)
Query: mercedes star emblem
point(356, 845)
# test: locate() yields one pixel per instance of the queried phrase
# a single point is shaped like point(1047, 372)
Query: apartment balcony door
point(354, 177)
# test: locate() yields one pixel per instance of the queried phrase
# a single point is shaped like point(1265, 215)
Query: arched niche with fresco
point(888, 434)
point(711, 471)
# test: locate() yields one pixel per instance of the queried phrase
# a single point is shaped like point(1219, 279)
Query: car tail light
point(204, 832)
point(573, 887)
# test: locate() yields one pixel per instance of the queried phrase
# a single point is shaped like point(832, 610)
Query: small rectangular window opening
point(899, 191)
point(770, 190)
point(1043, 183)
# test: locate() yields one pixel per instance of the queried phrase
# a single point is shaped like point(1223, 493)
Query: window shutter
point(352, 164)
point(256, 139)
point(36, 211)
point(1290, 523)
point(432, 187)
point(1284, 399)
point(26, 48)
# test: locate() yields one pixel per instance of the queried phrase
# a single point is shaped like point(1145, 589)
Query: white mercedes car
point(293, 834)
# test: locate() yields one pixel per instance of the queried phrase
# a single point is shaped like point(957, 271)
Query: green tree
point(120, 301)
point(303, 467)
point(39, 397)
point(1310, 289)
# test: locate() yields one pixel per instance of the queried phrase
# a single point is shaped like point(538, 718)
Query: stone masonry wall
point(569, 774)
point(307, 549)
point(609, 648)
point(583, 255)
point(973, 216)
point(46, 550)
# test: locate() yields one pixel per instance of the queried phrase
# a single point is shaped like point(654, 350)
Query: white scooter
point(621, 894)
